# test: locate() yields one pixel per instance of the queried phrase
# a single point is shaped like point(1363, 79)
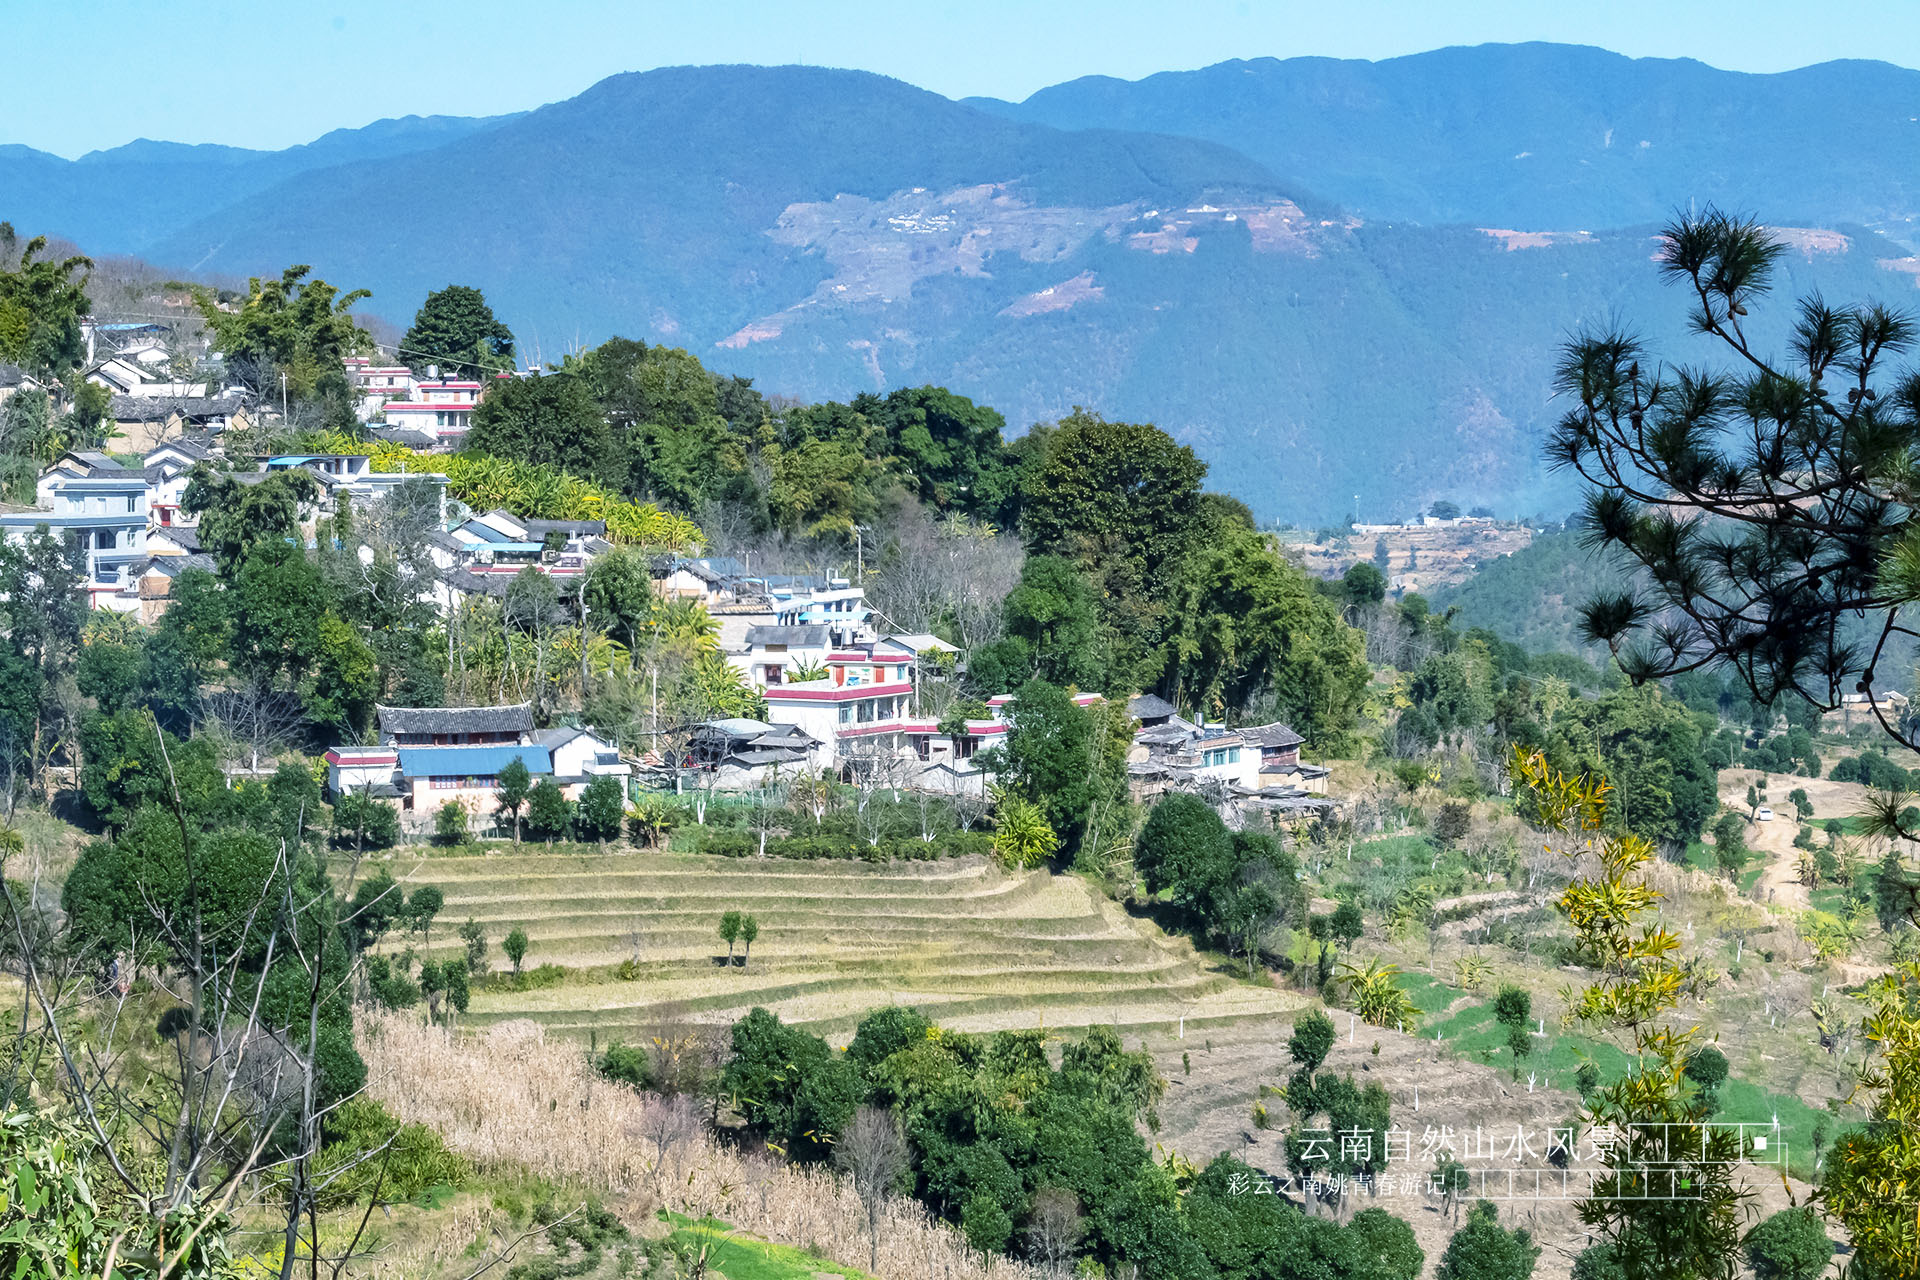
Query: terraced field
point(975, 947)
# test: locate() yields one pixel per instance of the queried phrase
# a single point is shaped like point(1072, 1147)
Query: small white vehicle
point(1763, 814)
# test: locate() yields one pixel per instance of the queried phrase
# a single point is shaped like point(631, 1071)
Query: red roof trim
point(788, 693)
point(357, 758)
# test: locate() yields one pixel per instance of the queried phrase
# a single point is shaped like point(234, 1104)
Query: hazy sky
point(269, 73)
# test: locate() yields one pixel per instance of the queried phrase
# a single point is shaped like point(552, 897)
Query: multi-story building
point(102, 506)
point(441, 408)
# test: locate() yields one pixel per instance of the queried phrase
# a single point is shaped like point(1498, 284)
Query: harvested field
point(977, 948)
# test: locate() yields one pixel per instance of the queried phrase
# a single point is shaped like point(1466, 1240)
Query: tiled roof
point(1271, 735)
point(515, 718)
point(1149, 706)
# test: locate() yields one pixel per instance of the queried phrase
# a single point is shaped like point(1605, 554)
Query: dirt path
point(1779, 882)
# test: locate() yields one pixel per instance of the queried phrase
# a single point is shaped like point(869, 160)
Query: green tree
point(475, 937)
point(363, 823)
point(546, 421)
point(1730, 845)
point(1512, 1006)
point(1312, 1040)
point(1247, 624)
point(1122, 501)
point(456, 329)
point(602, 808)
point(515, 784)
point(292, 326)
point(619, 594)
point(237, 519)
point(41, 306)
point(749, 930)
point(548, 811)
point(1021, 837)
point(788, 1085)
point(1483, 1250)
point(515, 947)
point(450, 823)
point(339, 691)
point(423, 904)
point(1050, 757)
point(1363, 584)
point(1707, 1068)
point(948, 447)
point(1052, 611)
point(1808, 447)
point(730, 932)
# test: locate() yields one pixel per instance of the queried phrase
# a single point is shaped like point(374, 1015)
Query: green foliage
point(41, 307)
point(549, 812)
point(515, 946)
point(788, 1085)
point(369, 1156)
point(1236, 886)
point(1789, 1245)
point(292, 326)
point(456, 330)
point(1022, 839)
point(63, 1222)
point(1512, 1006)
point(602, 809)
point(626, 1064)
point(1311, 1041)
point(1730, 844)
point(1054, 757)
point(550, 421)
point(450, 823)
point(1483, 1250)
point(1707, 1068)
point(1053, 615)
point(361, 822)
point(1247, 626)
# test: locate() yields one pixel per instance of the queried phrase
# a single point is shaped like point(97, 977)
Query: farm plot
point(977, 948)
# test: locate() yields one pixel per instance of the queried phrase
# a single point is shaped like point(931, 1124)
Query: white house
point(442, 409)
point(90, 498)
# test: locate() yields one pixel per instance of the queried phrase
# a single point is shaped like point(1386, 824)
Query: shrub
point(1790, 1245)
point(415, 1162)
point(627, 1065)
point(1512, 1006)
point(450, 823)
point(1708, 1069)
point(515, 945)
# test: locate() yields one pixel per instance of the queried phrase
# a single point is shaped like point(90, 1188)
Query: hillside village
point(600, 818)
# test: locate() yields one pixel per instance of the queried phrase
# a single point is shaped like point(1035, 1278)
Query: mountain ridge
point(829, 232)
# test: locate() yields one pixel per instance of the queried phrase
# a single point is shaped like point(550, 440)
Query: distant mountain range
point(1334, 279)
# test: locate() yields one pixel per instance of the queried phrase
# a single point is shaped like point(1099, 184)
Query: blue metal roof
point(470, 762)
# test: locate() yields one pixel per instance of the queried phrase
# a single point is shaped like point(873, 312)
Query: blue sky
point(270, 73)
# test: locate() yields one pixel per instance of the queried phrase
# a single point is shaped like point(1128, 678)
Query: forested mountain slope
point(1539, 136)
point(828, 232)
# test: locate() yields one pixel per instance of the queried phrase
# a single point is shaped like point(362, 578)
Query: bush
point(416, 1161)
point(450, 823)
point(1513, 1006)
point(1790, 1245)
point(626, 1065)
point(1708, 1069)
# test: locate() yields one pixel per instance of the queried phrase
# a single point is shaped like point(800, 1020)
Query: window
point(129, 504)
point(105, 539)
point(866, 711)
point(1233, 755)
point(846, 713)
